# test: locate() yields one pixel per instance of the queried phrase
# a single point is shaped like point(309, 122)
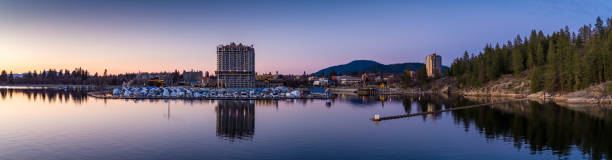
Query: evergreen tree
point(11, 78)
point(517, 60)
point(35, 75)
point(532, 45)
point(3, 76)
point(407, 78)
point(540, 56)
point(536, 80)
point(560, 62)
point(551, 79)
point(421, 75)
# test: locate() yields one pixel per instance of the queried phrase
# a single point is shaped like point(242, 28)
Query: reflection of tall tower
point(235, 119)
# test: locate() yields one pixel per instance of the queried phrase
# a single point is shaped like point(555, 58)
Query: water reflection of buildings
point(267, 103)
point(235, 119)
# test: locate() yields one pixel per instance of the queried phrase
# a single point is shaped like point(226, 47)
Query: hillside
point(353, 66)
point(518, 86)
point(369, 66)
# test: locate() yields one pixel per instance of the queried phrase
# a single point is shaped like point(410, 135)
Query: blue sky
point(289, 36)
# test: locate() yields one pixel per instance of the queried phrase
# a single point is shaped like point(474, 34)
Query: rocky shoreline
point(518, 86)
point(542, 96)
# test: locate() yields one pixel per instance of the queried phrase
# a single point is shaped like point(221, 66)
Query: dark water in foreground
point(38, 124)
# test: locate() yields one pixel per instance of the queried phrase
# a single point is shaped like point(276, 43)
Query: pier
point(378, 118)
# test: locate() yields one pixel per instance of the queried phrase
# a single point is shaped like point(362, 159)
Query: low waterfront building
point(268, 84)
point(321, 82)
point(348, 80)
point(264, 77)
point(412, 75)
point(192, 77)
point(312, 78)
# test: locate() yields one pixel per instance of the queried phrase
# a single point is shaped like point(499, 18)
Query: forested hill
point(368, 66)
point(563, 61)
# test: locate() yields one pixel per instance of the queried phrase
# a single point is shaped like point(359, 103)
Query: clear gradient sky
point(289, 36)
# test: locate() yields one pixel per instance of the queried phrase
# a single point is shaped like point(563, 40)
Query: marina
point(211, 93)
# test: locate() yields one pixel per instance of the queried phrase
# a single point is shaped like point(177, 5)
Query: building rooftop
point(234, 46)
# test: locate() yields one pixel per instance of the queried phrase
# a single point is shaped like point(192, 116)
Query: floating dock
point(378, 118)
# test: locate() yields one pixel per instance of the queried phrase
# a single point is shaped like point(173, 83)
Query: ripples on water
point(44, 124)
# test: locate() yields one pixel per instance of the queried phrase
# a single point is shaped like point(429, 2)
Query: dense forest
point(561, 62)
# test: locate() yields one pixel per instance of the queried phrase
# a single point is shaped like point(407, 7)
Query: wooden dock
point(444, 110)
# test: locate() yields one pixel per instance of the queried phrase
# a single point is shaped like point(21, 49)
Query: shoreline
point(542, 97)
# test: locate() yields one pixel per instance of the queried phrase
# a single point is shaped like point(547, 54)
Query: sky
point(289, 36)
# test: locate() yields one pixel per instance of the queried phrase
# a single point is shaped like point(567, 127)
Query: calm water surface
point(49, 124)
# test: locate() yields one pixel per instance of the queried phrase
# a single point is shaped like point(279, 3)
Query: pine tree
point(550, 79)
point(3, 76)
point(421, 75)
point(11, 77)
point(607, 52)
point(540, 56)
point(406, 78)
point(536, 80)
point(517, 60)
point(532, 44)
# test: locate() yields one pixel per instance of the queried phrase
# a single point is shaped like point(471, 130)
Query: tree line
point(78, 76)
point(418, 78)
point(561, 62)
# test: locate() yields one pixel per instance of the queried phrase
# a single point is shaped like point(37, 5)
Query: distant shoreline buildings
point(235, 66)
point(433, 64)
point(192, 77)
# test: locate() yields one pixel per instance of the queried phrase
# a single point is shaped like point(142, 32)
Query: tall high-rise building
point(235, 66)
point(433, 64)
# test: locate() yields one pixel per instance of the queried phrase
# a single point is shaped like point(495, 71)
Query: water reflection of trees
point(433, 102)
point(542, 127)
point(365, 101)
point(235, 119)
point(46, 95)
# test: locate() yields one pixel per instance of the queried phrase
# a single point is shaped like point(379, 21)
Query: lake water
point(49, 124)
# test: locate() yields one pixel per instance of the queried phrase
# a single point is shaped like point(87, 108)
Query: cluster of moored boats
point(192, 92)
